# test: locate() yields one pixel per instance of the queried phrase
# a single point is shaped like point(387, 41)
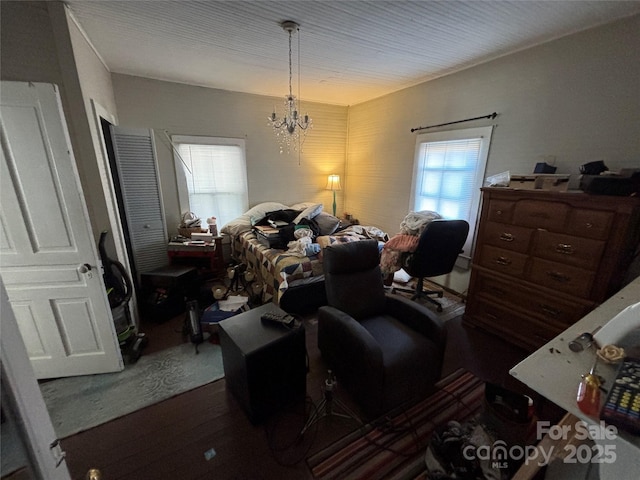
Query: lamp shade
point(333, 182)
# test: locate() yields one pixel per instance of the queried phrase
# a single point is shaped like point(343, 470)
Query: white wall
point(187, 110)
point(577, 98)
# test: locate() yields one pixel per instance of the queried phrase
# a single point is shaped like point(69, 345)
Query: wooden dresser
point(545, 259)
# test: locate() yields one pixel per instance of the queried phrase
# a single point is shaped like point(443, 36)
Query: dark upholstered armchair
point(384, 348)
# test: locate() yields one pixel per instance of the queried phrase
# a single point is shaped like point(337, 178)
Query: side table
point(264, 364)
point(164, 290)
point(209, 256)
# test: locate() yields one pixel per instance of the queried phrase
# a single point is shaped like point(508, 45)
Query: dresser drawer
point(500, 211)
point(564, 278)
point(540, 214)
point(503, 261)
point(590, 223)
point(510, 325)
point(549, 309)
point(507, 236)
point(580, 252)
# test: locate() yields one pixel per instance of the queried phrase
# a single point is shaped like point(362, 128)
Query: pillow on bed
point(327, 223)
point(309, 213)
point(245, 222)
point(301, 205)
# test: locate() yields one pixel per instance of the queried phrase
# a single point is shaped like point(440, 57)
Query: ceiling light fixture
point(291, 129)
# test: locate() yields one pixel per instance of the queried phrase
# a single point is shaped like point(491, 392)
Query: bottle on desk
point(213, 227)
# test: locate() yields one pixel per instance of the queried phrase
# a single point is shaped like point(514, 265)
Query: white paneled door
point(48, 260)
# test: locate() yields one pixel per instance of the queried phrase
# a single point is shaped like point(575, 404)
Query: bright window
point(448, 172)
point(212, 177)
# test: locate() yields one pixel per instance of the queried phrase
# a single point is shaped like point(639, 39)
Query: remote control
point(622, 407)
point(279, 318)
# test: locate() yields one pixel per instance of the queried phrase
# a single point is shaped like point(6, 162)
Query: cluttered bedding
point(283, 244)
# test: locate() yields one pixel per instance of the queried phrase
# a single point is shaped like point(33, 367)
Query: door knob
point(93, 474)
point(84, 268)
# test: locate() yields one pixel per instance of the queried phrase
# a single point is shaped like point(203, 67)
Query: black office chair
point(438, 248)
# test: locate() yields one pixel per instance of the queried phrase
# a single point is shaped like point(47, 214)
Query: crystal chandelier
point(291, 129)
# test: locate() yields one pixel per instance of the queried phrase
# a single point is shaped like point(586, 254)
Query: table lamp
point(333, 183)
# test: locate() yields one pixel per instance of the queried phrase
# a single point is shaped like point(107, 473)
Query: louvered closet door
point(140, 184)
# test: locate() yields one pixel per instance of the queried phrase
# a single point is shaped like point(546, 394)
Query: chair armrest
point(417, 316)
point(345, 337)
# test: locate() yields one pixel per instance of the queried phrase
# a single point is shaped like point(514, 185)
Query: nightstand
point(344, 222)
point(209, 256)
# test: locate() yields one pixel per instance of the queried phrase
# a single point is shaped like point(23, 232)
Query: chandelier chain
point(290, 70)
point(291, 129)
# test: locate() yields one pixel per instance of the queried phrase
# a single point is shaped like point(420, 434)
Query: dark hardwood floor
point(170, 440)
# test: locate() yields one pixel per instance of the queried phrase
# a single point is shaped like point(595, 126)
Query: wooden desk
point(555, 372)
point(208, 256)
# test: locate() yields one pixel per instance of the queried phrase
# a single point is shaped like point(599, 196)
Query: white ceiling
point(350, 50)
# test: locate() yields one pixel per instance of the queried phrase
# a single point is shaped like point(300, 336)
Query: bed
point(294, 281)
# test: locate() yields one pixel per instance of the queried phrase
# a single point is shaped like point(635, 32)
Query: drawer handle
point(498, 212)
point(549, 310)
point(589, 225)
point(503, 261)
point(559, 277)
point(565, 248)
point(507, 237)
point(539, 215)
point(499, 291)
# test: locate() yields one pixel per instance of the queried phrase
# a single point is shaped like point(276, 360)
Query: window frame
point(181, 179)
point(485, 133)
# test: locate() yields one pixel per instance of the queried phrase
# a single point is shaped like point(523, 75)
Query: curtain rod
point(492, 115)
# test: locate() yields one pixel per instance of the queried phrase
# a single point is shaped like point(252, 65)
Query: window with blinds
point(448, 172)
point(211, 174)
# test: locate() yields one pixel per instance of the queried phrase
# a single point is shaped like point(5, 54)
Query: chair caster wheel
point(440, 294)
point(439, 308)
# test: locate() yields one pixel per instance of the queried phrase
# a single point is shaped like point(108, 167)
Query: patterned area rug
point(452, 303)
point(397, 450)
point(76, 404)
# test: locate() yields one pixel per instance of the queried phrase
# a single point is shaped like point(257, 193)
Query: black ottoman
point(264, 364)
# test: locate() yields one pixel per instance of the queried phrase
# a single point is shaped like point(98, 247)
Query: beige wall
point(94, 81)
point(28, 49)
point(576, 98)
point(187, 110)
point(38, 45)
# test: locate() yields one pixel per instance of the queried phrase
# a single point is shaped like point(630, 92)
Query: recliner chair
point(385, 349)
point(438, 248)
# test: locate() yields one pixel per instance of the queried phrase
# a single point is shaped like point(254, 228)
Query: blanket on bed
point(277, 270)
